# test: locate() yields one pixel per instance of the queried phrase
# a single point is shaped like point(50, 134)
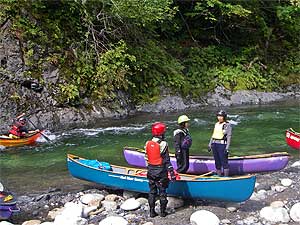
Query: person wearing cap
point(18, 129)
point(220, 143)
point(158, 164)
point(182, 144)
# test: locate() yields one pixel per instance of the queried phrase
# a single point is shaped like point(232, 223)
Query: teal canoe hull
point(233, 189)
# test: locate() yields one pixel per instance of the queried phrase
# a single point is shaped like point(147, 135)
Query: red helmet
point(158, 129)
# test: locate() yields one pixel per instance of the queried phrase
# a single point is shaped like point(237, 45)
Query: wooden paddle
point(48, 139)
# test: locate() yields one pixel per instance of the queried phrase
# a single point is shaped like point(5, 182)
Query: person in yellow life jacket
point(182, 144)
point(220, 143)
point(158, 164)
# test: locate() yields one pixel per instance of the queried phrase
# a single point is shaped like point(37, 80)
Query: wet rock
point(204, 217)
point(295, 212)
point(130, 204)
point(277, 204)
point(116, 220)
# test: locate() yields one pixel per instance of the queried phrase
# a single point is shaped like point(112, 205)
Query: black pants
point(158, 184)
point(182, 160)
point(220, 156)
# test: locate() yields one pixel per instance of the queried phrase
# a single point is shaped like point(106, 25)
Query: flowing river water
point(38, 168)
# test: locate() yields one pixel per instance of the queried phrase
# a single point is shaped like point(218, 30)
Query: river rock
point(72, 210)
point(47, 223)
point(32, 222)
point(130, 204)
point(277, 204)
point(113, 220)
point(278, 188)
point(1, 186)
point(148, 223)
point(295, 212)
point(296, 164)
point(87, 210)
point(250, 220)
point(67, 220)
point(130, 194)
point(5, 223)
point(204, 217)
point(275, 215)
point(142, 201)
point(111, 197)
point(109, 205)
point(54, 212)
point(286, 182)
point(92, 199)
point(174, 203)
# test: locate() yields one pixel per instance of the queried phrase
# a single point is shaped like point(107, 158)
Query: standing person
point(220, 142)
point(158, 160)
point(182, 144)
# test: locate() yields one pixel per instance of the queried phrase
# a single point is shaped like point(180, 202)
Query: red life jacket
point(15, 129)
point(153, 153)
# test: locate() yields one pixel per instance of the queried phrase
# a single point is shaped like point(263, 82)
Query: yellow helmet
point(182, 119)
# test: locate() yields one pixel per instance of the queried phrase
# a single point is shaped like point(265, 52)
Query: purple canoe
point(203, 164)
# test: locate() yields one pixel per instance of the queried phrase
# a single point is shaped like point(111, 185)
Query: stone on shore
point(204, 217)
point(113, 220)
point(175, 203)
point(130, 204)
point(275, 214)
point(286, 182)
point(295, 212)
point(296, 164)
point(32, 222)
point(6, 223)
point(92, 199)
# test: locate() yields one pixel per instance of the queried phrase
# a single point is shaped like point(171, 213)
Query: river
point(38, 168)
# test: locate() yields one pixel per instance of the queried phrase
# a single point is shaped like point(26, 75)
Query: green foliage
point(155, 69)
point(113, 72)
point(151, 47)
point(146, 12)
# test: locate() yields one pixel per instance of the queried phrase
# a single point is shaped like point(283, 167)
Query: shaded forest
point(146, 47)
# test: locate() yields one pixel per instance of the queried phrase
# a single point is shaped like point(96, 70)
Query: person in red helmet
point(18, 128)
point(158, 164)
point(220, 143)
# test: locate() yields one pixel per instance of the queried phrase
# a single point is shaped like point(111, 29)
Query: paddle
point(48, 139)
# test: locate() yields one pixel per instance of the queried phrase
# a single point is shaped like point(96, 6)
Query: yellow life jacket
point(218, 131)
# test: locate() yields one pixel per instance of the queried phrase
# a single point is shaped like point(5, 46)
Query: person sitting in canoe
point(158, 160)
point(19, 129)
point(220, 142)
point(182, 144)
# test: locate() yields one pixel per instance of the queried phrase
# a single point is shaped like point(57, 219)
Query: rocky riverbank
point(276, 200)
